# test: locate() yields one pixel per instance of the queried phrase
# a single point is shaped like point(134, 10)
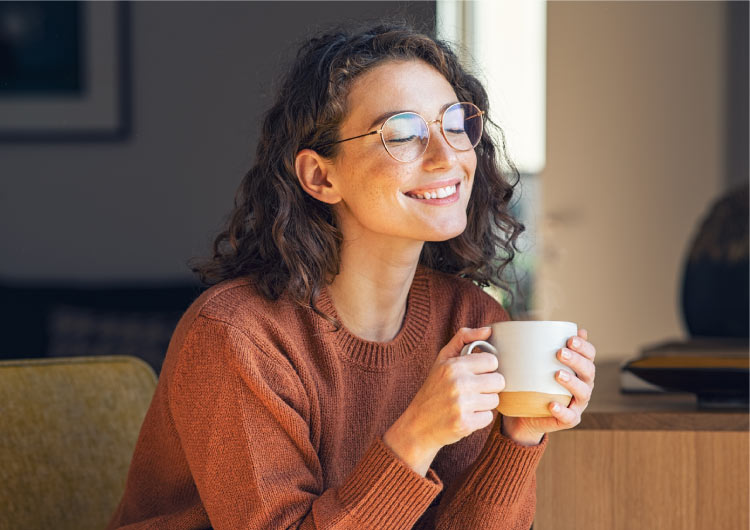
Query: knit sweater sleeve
point(242, 415)
point(498, 491)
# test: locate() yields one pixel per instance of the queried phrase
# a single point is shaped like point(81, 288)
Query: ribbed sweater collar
point(382, 355)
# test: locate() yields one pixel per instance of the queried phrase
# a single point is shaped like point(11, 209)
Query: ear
point(313, 172)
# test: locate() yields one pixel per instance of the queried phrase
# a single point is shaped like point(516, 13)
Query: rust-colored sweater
point(265, 417)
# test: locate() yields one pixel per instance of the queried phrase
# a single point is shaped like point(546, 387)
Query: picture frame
point(98, 109)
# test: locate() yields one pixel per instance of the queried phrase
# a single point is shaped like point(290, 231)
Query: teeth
point(439, 193)
point(447, 191)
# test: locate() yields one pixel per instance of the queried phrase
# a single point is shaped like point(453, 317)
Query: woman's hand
point(457, 398)
point(529, 431)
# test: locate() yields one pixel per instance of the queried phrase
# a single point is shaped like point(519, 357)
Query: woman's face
point(379, 195)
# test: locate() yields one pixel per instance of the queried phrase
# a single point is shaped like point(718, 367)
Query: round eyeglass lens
point(462, 126)
point(405, 136)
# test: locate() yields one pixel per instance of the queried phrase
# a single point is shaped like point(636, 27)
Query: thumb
point(463, 337)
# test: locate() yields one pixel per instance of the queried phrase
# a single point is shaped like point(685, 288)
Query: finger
point(584, 334)
point(566, 416)
point(577, 407)
point(491, 383)
point(484, 402)
point(482, 419)
point(580, 390)
point(478, 363)
point(583, 368)
point(463, 337)
point(582, 346)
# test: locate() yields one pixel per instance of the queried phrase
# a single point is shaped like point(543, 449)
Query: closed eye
point(403, 139)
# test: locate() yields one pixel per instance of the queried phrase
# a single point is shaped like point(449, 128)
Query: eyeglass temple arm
point(353, 137)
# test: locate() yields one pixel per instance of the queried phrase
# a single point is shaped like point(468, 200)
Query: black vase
point(715, 296)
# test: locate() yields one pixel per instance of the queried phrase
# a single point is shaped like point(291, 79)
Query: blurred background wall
point(641, 99)
point(202, 75)
point(640, 96)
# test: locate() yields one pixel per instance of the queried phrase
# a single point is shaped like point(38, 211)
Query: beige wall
point(635, 137)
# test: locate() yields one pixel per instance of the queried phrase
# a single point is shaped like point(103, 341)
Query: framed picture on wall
point(64, 71)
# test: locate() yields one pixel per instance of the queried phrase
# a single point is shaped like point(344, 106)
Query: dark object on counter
point(718, 382)
point(715, 281)
point(700, 347)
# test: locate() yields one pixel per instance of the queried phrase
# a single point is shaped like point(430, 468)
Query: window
point(503, 43)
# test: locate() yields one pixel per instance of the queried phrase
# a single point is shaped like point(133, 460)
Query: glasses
point(405, 135)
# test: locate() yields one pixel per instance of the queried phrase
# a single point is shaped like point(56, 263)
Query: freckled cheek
point(470, 168)
point(387, 183)
point(471, 163)
point(469, 187)
point(398, 181)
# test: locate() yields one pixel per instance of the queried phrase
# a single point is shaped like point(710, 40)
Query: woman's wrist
point(409, 448)
point(519, 436)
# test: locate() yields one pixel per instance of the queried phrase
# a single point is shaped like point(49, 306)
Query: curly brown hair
point(286, 240)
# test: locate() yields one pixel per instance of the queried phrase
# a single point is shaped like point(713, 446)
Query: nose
point(439, 154)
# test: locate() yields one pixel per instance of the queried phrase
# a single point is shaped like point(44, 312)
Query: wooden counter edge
point(665, 421)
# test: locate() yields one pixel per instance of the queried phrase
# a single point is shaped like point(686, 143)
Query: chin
point(446, 233)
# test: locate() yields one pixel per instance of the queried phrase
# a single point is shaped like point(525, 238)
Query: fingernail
point(564, 375)
point(556, 407)
point(565, 354)
point(576, 343)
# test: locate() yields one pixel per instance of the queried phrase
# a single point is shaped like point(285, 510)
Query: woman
point(318, 384)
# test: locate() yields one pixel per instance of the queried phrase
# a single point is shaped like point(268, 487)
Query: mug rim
point(535, 322)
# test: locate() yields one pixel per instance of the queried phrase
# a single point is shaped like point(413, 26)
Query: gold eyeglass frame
point(429, 134)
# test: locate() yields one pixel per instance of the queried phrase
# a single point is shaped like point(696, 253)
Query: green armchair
point(68, 427)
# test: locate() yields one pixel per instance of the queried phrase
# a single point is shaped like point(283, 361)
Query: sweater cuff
point(383, 492)
point(503, 469)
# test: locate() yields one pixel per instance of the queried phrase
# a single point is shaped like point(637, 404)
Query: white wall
point(139, 209)
point(635, 139)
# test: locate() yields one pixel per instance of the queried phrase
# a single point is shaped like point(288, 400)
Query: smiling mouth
point(435, 193)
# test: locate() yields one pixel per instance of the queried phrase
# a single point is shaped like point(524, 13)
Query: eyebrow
point(385, 115)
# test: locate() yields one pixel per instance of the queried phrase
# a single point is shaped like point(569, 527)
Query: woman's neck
point(371, 290)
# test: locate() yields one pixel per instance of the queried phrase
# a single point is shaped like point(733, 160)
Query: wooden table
point(647, 461)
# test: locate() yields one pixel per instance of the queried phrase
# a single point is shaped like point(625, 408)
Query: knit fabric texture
point(267, 417)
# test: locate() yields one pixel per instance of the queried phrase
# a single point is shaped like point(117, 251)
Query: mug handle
point(469, 348)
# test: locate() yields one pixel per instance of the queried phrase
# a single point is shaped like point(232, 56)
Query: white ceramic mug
point(527, 357)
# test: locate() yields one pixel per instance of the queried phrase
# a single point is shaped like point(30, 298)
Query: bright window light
point(503, 42)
